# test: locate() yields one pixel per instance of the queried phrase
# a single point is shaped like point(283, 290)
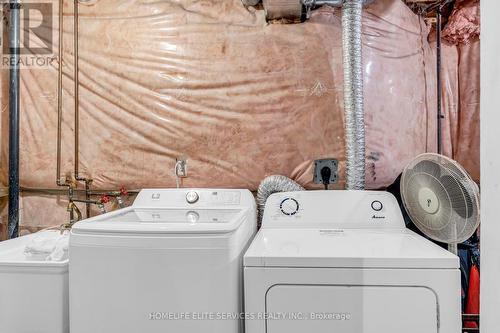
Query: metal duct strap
point(291, 9)
point(283, 9)
point(250, 2)
point(353, 94)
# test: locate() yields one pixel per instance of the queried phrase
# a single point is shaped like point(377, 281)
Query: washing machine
point(172, 262)
point(343, 261)
point(34, 284)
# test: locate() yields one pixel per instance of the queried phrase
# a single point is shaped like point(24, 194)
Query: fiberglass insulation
point(241, 99)
point(211, 81)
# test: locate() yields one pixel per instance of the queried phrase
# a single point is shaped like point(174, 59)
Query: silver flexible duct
point(353, 78)
point(333, 3)
point(274, 184)
point(353, 94)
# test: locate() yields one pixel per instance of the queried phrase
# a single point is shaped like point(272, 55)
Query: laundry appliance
point(343, 261)
point(172, 262)
point(34, 283)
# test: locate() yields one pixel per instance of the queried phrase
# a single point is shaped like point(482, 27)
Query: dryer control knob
point(377, 206)
point(289, 206)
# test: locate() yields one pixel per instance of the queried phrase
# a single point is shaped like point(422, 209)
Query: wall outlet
point(331, 163)
point(181, 168)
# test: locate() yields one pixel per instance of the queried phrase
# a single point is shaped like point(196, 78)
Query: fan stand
point(453, 248)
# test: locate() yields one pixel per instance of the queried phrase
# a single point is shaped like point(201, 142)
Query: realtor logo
point(36, 33)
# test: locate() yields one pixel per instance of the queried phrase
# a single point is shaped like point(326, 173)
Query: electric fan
point(441, 199)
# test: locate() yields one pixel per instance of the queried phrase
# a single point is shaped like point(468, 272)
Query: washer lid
point(346, 248)
point(158, 221)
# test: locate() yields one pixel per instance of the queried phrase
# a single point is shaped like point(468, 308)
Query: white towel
point(60, 252)
point(48, 246)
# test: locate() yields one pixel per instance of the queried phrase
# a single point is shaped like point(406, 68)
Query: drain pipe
point(14, 45)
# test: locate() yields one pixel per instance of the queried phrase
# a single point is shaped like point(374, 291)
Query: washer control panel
point(194, 198)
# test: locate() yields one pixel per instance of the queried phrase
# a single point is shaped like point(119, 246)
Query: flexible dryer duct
point(353, 94)
point(353, 73)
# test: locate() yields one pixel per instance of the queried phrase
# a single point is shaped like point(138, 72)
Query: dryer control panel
point(333, 209)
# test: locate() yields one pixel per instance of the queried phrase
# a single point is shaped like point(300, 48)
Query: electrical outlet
point(328, 163)
point(181, 168)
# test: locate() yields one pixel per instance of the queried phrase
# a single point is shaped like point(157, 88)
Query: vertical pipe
point(60, 96)
point(87, 197)
point(77, 90)
point(77, 106)
point(353, 94)
point(14, 48)
point(438, 78)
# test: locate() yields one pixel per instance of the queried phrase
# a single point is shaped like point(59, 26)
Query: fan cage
point(457, 216)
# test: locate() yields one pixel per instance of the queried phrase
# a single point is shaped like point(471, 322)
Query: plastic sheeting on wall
point(467, 150)
point(450, 98)
point(461, 86)
point(240, 99)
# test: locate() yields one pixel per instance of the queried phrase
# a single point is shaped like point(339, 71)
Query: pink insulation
point(450, 98)
point(241, 99)
point(464, 24)
point(461, 87)
point(467, 150)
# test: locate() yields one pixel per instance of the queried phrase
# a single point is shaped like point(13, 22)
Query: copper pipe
point(77, 107)
point(57, 191)
point(73, 208)
point(59, 96)
point(77, 91)
point(93, 202)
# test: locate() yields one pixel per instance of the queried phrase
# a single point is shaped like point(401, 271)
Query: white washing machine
point(34, 287)
point(343, 261)
point(172, 262)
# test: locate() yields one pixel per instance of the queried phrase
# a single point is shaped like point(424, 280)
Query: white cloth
point(48, 246)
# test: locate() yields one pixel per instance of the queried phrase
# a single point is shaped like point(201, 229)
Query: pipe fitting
point(72, 209)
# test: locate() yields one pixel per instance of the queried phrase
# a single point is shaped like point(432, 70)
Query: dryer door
point(351, 309)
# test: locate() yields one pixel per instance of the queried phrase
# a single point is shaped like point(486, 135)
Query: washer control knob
point(377, 206)
point(289, 206)
point(192, 217)
point(192, 197)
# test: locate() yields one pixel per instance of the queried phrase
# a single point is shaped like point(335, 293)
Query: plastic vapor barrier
point(212, 82)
